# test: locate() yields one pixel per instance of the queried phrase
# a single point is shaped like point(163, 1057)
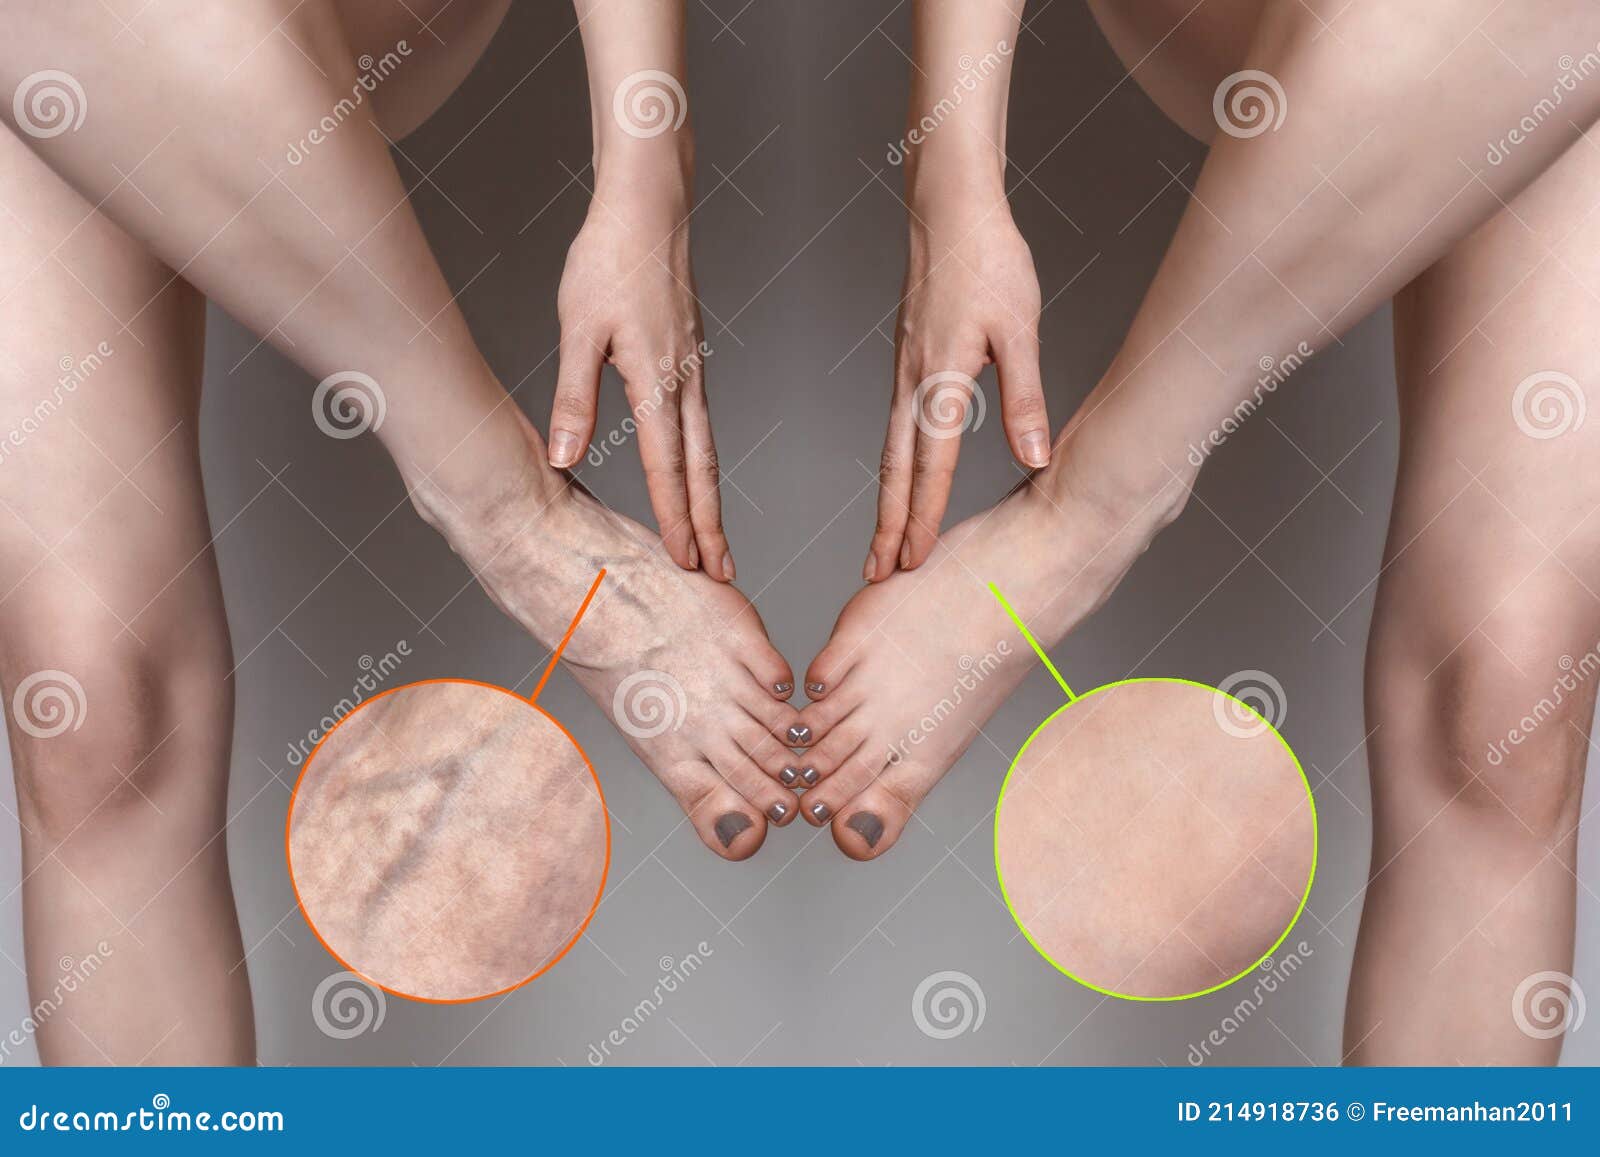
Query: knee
point(106, 726)
point(1489, 711)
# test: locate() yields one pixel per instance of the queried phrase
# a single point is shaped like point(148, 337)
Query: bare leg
point(109, 591)
point(1486, 617)
point(324, 257)
point(1251, 273)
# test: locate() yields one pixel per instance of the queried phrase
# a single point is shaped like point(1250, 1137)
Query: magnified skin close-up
point(1155, 839)
point(448, 841)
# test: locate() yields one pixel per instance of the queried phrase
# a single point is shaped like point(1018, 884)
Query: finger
point(894, 484)
point(946, 403)
point(1022, 405)
point(705, 481)
point(655, 410)
point(577, 390)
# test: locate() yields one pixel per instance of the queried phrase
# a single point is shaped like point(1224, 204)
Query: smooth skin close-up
point(348, 342)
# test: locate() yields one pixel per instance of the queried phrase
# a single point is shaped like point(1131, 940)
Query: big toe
point(726, 822)
point(869, 825)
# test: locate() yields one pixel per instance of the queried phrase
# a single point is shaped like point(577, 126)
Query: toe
point(825, 715)
point(755, 786)
point(765, 751)
point(848, 780)
point(871, 823)
point(834, 749)
point(727, 823)
point(768, 668)
point(773, 717)
point(830, 667)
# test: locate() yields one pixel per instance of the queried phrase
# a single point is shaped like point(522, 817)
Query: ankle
point(498, 468)
point(1127, 488)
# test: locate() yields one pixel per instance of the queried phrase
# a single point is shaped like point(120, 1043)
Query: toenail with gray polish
point(816, 688)
point(810, 775)
point(783, 688)
point(799, 733)
point(778, 810)
point(730, 826)
point(868, 826)
point(787, 776)
point(820, 811)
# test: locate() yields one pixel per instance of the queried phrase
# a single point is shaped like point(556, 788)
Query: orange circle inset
point(416, 870)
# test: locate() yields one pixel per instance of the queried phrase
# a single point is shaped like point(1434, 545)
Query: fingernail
point(905, 556)
point(787, 776)
point(563, 449)
point(870, 571)
point(694, 556)
point(777, 811)
point(816, 688)
point(1035, 448)
point(783, 688)
point(810, 775)
point(729, 827)
point(799, 734)
point(727, 566)
point(819, 812)
point(868, 826)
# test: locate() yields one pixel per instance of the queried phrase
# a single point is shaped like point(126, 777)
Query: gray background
point(799, 257)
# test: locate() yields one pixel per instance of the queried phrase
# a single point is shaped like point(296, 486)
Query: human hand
point(971, 299)
point(627, 298)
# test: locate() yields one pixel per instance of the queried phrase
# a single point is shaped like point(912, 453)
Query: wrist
point(950, 180)
point(653, 185)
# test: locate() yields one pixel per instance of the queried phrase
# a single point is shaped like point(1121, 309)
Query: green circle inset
point(1311, 876)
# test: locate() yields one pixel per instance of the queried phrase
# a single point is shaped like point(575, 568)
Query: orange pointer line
point(567, 638)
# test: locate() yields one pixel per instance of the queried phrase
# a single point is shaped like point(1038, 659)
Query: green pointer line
point(1032, 642)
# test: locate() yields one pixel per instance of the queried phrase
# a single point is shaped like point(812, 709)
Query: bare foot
point(679, 662)
point(918, 662)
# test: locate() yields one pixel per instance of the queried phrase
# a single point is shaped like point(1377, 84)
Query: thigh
point(105, 561)
point(1179, 52)
point(415, 53)
point(1497, 357)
